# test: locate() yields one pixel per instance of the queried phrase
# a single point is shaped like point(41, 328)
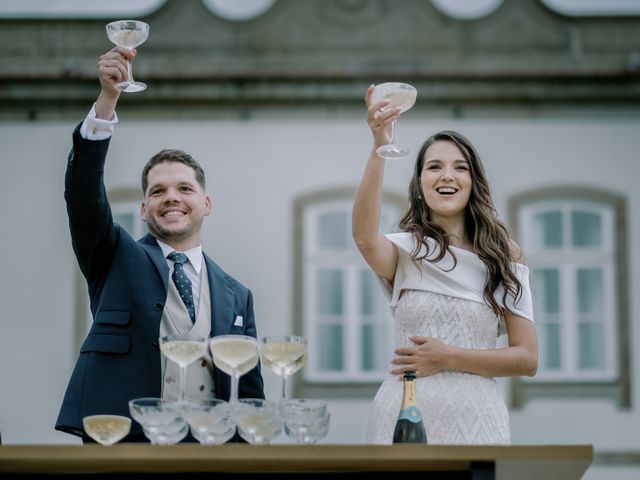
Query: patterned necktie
point(182, 282)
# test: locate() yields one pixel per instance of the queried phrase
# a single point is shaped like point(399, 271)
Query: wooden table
point(520, 462)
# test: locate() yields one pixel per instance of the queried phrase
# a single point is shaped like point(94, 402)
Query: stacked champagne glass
point(215, 421)
point(305, 421)
point(162, 420)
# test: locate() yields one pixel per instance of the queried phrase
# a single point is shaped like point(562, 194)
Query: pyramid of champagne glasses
point(215, 421)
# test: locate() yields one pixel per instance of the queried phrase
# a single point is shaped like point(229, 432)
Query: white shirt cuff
point(96, 128)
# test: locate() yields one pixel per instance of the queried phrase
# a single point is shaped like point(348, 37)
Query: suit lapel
point(222, 299)
point(150, 245)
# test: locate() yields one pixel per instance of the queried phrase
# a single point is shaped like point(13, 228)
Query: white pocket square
point(238, 321)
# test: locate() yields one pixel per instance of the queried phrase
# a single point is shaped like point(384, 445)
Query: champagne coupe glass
point(258, 420)
point(283, 354)
point(235, 355)
point(183, 350)
point(305, 420)
point(162, 420)
point(210, 420)
point(400, 95)
point(130, 34)
point(107, 429)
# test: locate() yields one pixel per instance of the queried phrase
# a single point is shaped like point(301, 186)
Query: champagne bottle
point(409, 427)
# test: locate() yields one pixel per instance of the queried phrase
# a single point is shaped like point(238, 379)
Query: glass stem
point(393, 132)
point(284, 387)
point(130, 75)
point(233, 398)
point(183, 380)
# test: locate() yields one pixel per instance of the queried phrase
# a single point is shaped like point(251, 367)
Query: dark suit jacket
point(127, 281)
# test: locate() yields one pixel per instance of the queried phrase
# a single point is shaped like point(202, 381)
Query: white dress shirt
point(96, 128)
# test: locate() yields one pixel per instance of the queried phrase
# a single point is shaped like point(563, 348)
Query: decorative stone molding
point(324, 52)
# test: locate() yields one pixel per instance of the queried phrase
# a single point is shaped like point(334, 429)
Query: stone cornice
point(318, 51)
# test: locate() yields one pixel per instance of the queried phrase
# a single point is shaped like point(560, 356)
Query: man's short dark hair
point(170, 155)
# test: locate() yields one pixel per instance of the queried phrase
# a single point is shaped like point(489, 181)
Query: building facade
point(272, 106)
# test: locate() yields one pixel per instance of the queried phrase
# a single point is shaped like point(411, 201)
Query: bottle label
point(410, 413)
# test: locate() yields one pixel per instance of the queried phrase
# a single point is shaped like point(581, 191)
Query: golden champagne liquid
point(238, 354)
point(183, 352)
point(107, 429)
point(401, 98)
point(284, 358)
point(128, 38)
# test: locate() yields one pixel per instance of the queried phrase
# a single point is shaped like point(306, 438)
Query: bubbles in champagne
point(401, 98)
point(400, 95)
point(106, 429)
point(258, 421)
point(204, 421)
point(284, 358)
point(238, 354)
point(182, 352)
point(127, 38)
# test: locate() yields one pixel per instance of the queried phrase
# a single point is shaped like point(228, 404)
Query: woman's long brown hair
point(489, 235)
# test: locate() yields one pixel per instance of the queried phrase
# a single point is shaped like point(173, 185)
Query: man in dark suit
point(128, 280)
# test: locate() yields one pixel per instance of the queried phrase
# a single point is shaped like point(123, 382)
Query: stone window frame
point(326, 389)
point(618, 390)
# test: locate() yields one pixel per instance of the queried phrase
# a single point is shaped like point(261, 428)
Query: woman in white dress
point(455, 282)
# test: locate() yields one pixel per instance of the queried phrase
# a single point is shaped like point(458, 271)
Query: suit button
point(159, 306)
point(203, 363)
point(154, 345)
point(169, 380)
point(202, 388)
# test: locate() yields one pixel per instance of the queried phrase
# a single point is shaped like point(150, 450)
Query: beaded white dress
point(433, 300)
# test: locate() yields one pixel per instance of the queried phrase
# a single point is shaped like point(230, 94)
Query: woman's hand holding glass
point(385, 103)
point(380, 118)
